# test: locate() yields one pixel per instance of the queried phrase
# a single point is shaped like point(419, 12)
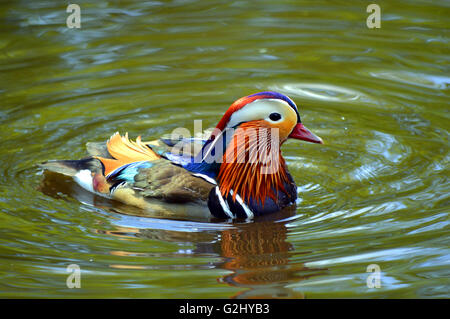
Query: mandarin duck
point(238, 172)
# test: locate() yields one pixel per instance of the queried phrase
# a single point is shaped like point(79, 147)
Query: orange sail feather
point(125, 151)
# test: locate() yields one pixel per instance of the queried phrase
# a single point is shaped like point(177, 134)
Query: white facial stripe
point(260, 110)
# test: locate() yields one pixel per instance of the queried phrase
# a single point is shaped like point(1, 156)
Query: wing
point(162, 180)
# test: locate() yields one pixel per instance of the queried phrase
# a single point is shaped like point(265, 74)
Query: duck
point(238, 172)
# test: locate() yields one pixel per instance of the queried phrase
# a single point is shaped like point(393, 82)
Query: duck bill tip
point(300, 132)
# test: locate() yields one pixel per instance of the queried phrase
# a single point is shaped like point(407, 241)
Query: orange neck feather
point(252, 164)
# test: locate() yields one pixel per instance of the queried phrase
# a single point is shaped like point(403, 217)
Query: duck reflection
point(258, 255)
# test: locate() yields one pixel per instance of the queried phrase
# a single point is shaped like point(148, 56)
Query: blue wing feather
point(126, 173)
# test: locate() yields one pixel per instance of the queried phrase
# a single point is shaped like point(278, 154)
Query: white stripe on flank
point(224, 205)
point(244, 206)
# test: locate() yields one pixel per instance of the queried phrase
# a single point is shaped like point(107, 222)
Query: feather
point(125, 152)
point(72, 167)
point(122, 149)
point(128, 171)
point(251, 168)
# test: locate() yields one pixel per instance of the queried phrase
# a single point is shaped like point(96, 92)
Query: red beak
point(300, 132)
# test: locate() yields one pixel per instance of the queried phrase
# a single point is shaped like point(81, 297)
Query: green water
point(377, 192)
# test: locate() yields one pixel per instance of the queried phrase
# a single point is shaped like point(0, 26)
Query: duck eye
point(275, 116)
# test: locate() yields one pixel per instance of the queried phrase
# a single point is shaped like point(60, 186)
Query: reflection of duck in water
point(259, 257)
point(237, 173)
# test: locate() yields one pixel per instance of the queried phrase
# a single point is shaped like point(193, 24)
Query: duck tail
point(72, 167)
point(88, 173)
point(92, 173)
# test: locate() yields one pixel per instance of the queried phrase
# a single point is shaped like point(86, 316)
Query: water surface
point(376, 193)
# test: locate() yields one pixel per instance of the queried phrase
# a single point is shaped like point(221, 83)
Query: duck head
point(253, 178)
point(268, 109)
